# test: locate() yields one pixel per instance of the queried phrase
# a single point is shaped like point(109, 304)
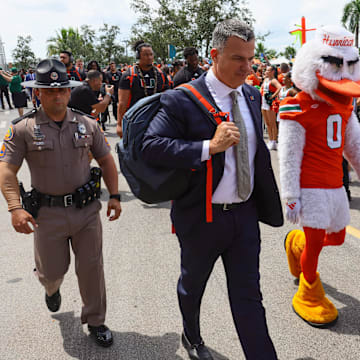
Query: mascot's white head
point(328, 67)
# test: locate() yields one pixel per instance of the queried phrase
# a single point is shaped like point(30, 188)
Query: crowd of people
point(232, 185)
point(274, 83)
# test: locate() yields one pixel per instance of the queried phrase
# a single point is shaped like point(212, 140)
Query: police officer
point(55, 142)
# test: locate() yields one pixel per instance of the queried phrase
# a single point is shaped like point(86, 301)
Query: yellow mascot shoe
point(311, 304)
point(294, 246)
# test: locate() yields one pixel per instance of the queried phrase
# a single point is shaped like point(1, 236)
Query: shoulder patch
point(2, 150)
point(28, 114)
point(9, 134)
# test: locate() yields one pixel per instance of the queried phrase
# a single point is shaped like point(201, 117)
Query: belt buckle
point(225, 207)
point(68, 200)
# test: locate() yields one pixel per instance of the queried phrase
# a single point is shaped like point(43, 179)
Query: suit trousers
point(81, 228)
point(234, 236)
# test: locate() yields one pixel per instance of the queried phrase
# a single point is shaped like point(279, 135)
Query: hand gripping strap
point(216, 116)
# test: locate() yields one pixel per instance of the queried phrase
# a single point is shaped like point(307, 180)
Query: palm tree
point(351, 18)
point(65, 39)
point(289, 52)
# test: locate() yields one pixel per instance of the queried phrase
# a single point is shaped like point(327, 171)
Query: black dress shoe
point(196, 351)
point(102, 335)
point(53, 302)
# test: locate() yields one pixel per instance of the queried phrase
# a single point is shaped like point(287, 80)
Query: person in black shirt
point(140, 80)
point(84, 97)
point(190, 72)
point(113, 77)
point(67, 59)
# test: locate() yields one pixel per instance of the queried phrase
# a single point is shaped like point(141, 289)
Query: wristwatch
point(115, 196)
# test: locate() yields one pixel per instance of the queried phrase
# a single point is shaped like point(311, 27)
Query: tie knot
point(234, 96)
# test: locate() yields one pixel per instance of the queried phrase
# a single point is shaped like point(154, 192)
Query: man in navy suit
point(182, 135)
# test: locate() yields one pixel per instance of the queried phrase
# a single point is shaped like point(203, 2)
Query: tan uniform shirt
point(57, 156)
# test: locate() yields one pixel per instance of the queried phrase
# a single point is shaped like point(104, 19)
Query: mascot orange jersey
point(322, 155)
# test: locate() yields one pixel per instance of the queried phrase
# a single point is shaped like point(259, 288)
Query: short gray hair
point(228, 28)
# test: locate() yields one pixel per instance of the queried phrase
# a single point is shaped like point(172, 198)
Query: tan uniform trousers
point(58, 228)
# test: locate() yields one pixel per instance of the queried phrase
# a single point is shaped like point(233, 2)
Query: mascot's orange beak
point(341, 91)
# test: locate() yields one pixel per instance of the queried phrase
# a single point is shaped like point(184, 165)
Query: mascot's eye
point(336, 63)
point(352, 64)
point(336, 68)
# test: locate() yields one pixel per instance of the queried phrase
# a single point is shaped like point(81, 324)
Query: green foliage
point(261, 49)
point(107, 48)
point(66, 40)
point(183, 23)
point(22, 54)
point(289, 52)
point(351, 18)
point(88, 45)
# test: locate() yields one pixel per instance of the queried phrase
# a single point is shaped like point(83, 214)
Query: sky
point(42, 18)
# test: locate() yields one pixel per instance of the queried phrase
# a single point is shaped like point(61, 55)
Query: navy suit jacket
point(174, 139)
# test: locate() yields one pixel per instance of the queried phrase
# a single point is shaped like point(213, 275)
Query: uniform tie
point(242, 154)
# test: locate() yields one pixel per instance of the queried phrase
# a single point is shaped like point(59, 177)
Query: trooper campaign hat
point(51, 74)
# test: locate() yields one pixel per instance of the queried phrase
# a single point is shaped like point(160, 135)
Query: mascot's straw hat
point(51, 74)
point(328, 67)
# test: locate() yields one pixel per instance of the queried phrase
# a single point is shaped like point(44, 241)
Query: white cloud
point(41, 18)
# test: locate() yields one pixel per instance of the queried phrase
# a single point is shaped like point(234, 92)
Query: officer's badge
point(81, 128)
point(38, 135)
point(54, 75)
point(252, 98)
point(9, 134)
point(2, 151)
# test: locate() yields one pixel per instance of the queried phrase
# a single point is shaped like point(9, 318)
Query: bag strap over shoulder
point(211, 110)
point(216, 116)
point(132, 75)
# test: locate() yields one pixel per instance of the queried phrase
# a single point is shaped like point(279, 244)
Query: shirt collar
point(219, 88)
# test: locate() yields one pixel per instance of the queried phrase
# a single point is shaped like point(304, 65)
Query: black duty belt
point(83, 196)
point(57, 200)
point(226, 207)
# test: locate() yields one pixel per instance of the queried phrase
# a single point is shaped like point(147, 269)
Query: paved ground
point(142, 266)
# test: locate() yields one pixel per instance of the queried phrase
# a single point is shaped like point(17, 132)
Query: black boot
point(53, 302)
point(101, 334)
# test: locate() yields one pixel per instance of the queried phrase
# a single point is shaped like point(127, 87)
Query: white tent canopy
point(279, 60)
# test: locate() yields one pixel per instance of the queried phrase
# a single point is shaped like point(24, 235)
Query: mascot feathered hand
point(316, 128)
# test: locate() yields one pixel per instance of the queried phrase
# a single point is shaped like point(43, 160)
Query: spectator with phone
point(84, 97)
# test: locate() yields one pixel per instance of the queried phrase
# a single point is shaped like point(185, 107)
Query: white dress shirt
point(226, 191)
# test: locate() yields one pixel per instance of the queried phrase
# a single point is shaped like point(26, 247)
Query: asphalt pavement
point(142, 266)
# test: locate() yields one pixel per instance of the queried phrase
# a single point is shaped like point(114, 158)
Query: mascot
point(317, 127)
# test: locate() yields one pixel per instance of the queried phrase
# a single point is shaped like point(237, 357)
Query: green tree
point(66, 39)
point(108, 48)
point(210, 12)
point(22, 54)
point(351, 18)
point(88, 51)
point(184, 23)
point(289, 52)
point(262, 52)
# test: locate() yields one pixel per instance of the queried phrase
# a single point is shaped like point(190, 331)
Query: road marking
point(3, 124)
point(353, 231)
